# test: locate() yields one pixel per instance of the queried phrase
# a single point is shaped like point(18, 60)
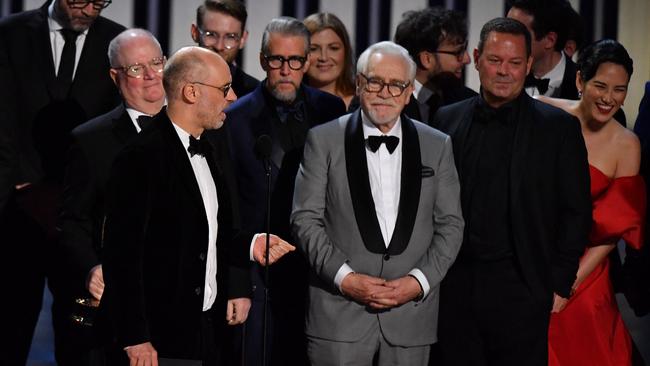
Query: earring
point(579, 93)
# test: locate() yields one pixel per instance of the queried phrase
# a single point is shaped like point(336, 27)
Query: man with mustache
point(284, 109)
point(436, 39)
point(53, 73)
point(377, 213)
point(526, 199)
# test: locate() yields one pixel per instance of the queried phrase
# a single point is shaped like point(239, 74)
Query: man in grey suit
point(377, 213)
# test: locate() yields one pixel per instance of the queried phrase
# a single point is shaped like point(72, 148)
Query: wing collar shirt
point(384, 173)
point(57, 42)
point(209, 194)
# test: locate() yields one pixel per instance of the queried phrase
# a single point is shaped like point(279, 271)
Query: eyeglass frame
point(75, 4)
point(225, 89)
point(401, 86)
point(460, 54)
point(236, 38)
point(302, 59)
point(127, 67)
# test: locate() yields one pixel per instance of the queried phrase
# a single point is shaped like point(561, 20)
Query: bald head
point(190, 64)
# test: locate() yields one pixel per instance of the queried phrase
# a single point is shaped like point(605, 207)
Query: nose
point(607, 96)
point(219, 44)
point(231, 96)
point(502, 69)
point(383, 93)
point(465, 60)
point(322, 55)
point(285, 69)
point(149, 73)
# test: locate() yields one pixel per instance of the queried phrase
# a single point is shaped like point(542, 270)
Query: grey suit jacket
point(334, 221)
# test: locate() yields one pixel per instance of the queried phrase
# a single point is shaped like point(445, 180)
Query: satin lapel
point(359, 184)
point(42, 48)
point(411, 182)
point(179, 160)
point(123, 127)
point(521, 144)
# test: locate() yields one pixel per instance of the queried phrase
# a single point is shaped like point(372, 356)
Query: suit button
point(386, 257)
point(202, 256)
point(197, 290)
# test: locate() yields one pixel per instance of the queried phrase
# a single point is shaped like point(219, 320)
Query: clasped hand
point(277, 248)
point(379, 293)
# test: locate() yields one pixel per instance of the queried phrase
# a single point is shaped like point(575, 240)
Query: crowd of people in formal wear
point(344, 210)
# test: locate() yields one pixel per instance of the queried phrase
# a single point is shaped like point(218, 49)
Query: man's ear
point(427, 60)
point(196, 36)
point(243, 39)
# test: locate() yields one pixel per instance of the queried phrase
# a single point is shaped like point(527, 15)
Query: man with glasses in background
point(377, 213)
point(137, 63)
point(436, 39)
point(221, 27)
point(53, 69)
point(284, 109)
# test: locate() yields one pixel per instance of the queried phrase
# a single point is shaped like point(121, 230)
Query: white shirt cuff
point(423, 281)
point(250, 252)
point(340, 275)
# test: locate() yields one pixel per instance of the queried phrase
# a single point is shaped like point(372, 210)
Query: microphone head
point(263, 147)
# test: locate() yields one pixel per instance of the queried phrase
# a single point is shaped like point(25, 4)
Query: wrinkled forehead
point(387, 66)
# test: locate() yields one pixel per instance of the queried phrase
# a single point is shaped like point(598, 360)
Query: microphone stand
point(267, 168)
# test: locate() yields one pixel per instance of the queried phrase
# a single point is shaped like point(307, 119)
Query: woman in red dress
point(589, 330)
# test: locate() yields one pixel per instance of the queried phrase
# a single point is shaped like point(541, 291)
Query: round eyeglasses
point(395, 88)
point(138, 70)
point(209, 38)
point(275, 62)
point(97, 4)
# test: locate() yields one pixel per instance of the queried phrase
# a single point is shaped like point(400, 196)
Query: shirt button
point(386, 257)
point(202, 256)
point(197, 290)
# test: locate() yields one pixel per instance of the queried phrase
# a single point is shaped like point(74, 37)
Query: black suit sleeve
point(76, 220)
point(575, 211)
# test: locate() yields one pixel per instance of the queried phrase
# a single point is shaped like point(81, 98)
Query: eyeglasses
point(294, 62)
point(138, 70)
point(224, 89)
point(395, 88)
point(230, 40)
point(97, 4)
point(459, 54)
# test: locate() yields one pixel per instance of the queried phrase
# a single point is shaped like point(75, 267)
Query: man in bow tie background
point(376, 212)
point(176, 265)
point(284, 109)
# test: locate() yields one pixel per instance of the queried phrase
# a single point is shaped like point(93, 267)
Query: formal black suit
point(43, 120)
point(445, 97)
point(156, 242)
point(568, 89)
point(549, 215)
point(249, 117)
point(242, 83)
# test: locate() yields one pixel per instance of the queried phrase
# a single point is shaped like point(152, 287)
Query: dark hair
point(320, 21)
point(599, 52)
point(548, 16)
point(504, 25)
point(425, 30)
point(575, 28)
point(234, 8)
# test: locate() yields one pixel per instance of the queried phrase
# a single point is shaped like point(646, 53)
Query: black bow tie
point(375, 141)
point(200, 147)
point(294, 111)
point(144, 121)
point(540, 84)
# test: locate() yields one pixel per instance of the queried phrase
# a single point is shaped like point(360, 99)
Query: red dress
point(590, 331)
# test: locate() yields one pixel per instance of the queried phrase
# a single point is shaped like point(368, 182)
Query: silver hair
point(386, 48)
point(115, 46)
point(286, 26)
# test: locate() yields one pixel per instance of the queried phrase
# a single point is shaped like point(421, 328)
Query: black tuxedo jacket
point(449, 96)
point(568, 89)
point(242, 83)
point(95, 144)
point(27, 75)
point(550, 212)
point(156, 242)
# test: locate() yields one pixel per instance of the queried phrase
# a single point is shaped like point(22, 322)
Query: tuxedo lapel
point(123, 127)
point(42, 48)
point(521, 144)
point(178, 157)
point(411, 182)
point(359, 184)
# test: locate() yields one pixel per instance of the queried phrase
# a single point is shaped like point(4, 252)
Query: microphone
point(263, 146)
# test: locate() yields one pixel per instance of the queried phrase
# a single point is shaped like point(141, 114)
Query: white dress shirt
point(211, 204)
point(555, 77)
point(57, 42)
point(384, 173)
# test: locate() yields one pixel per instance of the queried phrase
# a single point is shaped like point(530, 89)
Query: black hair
point(548, 16)
point(599, 52)
point(504, 25)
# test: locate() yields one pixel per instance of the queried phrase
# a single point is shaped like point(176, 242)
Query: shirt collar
point(556, 74)
point(421, 92)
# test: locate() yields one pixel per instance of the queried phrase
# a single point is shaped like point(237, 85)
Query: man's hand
point(237, 310)
point(362, 287)
point(142, 354)
point(95, 282)
point(397, 292)
point(277, 249)
point(559, 303)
